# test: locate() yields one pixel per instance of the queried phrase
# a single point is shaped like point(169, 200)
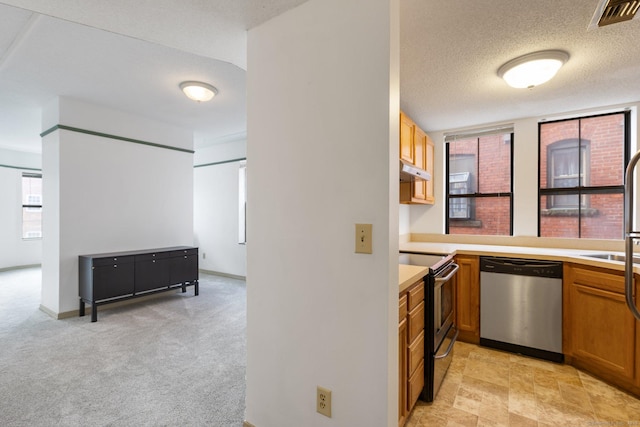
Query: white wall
point(216, 208)
point(105, 194)
point(322, 130)
point(14, 251)
point(430, 219)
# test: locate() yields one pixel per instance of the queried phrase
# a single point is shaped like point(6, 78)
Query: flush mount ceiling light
point(198, 91)
point(533, 69)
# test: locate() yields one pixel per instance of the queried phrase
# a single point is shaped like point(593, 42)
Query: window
point(479, 183)
point(242, 202)
point(31, 205)
point(581, 176)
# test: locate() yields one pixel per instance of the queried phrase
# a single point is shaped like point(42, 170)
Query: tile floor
point(486, 387)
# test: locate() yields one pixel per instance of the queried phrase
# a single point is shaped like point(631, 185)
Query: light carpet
point(172, 360)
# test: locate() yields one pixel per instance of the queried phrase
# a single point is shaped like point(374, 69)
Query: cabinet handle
point(185, 257)
point(154, 260)
point(115, 266)
point(115, 259)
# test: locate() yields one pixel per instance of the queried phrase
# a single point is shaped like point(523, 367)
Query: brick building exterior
point(602, 164)
point(488, 161)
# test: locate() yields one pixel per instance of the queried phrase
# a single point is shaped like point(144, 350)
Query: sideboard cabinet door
point(113, 280)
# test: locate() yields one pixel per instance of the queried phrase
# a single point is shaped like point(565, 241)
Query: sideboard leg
point(196, 288)
point(81, 308)
point(94, 312)
point(184, 287)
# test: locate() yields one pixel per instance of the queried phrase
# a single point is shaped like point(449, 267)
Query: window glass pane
point(463, 159)
point(242, 202)
point(490, 215)
point(31, 206)
point(604, 217)
point(31, 190)
point(563, 136)
point(606, 155)
point(31, 223)
point(558, 224)
point(495, 158)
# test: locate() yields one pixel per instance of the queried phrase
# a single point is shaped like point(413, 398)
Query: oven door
point(443, 300)
point(442, 358)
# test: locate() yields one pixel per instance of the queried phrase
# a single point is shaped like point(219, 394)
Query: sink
point(613, 257)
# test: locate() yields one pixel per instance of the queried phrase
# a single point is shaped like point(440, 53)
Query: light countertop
point(558, 254)
point(410, 274)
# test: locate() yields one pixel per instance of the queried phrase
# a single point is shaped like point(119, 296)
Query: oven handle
point(453, 341)
point(448, 276)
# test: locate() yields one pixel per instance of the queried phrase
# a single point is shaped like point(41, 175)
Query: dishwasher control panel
point(522, 267)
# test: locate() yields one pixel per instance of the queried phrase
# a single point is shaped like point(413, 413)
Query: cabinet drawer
point(402, 308)
point(416, 295)
point(416, 353)
point(597, 278)
point(416, 384)
point(153, 256)
point(98, 262)
point(416, 321)
point(183, 252)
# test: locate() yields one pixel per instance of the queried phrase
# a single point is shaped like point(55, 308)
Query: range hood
point(409, 172)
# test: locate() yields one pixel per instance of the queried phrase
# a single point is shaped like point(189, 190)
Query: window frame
point(472, 197)
point(582, 191)
point(29, 207)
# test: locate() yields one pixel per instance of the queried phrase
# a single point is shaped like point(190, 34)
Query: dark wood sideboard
point(116, 276)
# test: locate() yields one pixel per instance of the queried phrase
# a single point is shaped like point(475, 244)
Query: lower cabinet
point(468, 298)
point(599, 331)
point(105, 278)
point(410, 349)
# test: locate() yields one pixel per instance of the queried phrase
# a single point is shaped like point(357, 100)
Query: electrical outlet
point(323, 401)
point(204, 255)
point(363, 238)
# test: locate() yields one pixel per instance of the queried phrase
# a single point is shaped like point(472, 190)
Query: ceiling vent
point(615, 11)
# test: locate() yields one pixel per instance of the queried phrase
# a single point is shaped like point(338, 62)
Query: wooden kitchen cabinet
point(410, 349)
point(599, 332)
point(407, 128)
point(403, 411)
point(429, 196)
point(468, 298)
point(417, 148)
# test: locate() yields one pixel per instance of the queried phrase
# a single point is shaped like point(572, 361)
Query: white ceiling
point(132, 56)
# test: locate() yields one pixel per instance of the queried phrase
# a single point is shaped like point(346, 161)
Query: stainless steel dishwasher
point(521, 306)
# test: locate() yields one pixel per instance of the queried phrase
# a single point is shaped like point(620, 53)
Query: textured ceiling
point(451, 51)
point(132, 55)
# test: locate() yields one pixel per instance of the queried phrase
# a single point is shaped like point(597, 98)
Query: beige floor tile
point(487, 371)
point(491, 388)
point(547, 394)
point(522, 403)
point(430, 420)
point(495, 411)
point(490, 355)
point(574, 395)
point(516, 420)
point(456, 416)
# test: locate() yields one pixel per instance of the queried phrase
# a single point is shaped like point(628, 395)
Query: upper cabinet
point(417, 148)
point(407, 131)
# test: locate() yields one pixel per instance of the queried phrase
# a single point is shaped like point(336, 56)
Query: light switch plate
point(364, 238)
